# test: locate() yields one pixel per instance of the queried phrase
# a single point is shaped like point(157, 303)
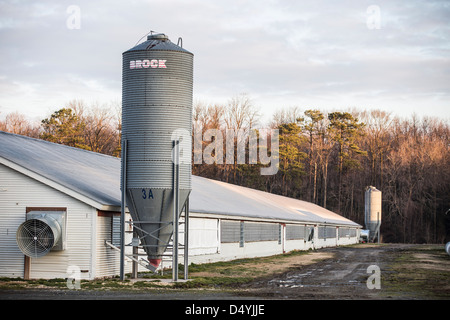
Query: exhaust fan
point(41, 233)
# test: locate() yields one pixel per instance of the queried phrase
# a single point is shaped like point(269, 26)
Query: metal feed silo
point(157, 92)
point(372, 214)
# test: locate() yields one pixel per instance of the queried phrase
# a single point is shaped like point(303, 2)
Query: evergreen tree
point(344, 130)
point(311, 125)
point(291, 157)
point(64, 127)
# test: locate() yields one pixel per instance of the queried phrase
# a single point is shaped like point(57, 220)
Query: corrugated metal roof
point(211, 196)
point(97, 177)
point(90, 174)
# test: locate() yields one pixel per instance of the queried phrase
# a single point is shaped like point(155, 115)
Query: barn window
point(230, 231)
point(115, 230)
point(327, 232)
point(261, 232)
point(240, 231)
point(295, 232)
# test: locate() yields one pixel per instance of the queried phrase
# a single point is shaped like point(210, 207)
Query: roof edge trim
point(271, 220)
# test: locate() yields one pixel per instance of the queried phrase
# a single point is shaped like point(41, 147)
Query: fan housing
point(41, 233)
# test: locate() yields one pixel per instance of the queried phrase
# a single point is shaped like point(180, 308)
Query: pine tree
point(291, 157)
point(311, 125)
point(64, 127)
point(344, 130)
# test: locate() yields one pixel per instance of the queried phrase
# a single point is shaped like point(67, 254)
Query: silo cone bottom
point(157, 207)
point(154, 262)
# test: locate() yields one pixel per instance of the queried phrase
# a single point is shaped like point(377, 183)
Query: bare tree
point(18, 123)
point(240, 116)
point(240, 113)
point(100, 134)
point(285, 116)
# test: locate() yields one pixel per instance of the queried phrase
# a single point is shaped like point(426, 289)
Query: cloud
point(282, 53)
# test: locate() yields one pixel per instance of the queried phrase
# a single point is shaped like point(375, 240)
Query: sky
point(325, 54)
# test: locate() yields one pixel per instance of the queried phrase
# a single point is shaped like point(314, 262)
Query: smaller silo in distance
point(372, 216)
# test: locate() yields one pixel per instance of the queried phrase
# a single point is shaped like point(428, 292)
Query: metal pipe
point(148, 266)
point(378, 226)
point(134, 272)
point(122, 213)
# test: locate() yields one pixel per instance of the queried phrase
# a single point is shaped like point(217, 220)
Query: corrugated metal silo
point(156, 102)
point(372, 210)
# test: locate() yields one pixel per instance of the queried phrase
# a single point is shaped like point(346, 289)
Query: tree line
point(328, 158)
point(91, 127)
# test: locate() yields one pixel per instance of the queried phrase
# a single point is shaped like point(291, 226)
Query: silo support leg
point(123, 206)
point(186, 238)
point(176, 190)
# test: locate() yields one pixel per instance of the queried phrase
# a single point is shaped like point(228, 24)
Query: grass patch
point(420, 272)
point(224, 274)
point(146, 284)
point(213, 282)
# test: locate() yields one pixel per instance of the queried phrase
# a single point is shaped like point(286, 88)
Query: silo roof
point(96, 177)
point(157, 44)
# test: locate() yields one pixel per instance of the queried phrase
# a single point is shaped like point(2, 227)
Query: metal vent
point(37, 236)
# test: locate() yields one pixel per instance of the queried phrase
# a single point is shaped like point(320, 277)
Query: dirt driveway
point(344, 275)
point(391, 271)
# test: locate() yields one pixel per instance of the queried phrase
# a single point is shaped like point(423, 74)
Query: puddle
point(297, 280)
point(312, 279)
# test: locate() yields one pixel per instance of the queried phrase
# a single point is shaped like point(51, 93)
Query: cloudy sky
point(379, 54)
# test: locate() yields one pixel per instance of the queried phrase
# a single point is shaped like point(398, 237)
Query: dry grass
point(258, 267)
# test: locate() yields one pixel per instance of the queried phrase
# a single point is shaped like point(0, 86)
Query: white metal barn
point(226, 221)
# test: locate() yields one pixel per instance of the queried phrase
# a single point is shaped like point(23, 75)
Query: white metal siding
point(108, 259)
point(17, 192)
point(12, 214)
point(203, 236)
